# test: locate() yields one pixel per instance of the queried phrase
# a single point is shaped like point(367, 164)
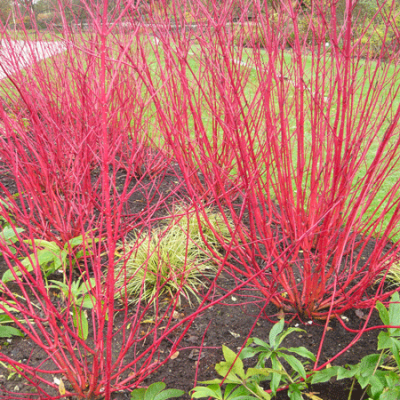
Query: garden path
point(18, 54)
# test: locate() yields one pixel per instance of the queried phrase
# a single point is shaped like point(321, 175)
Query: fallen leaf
point(175, 355)
point(360, 314)
point(61, 387)
point(281, 314)
point(194, 355)
point(193, 339)
point(175, 315)
point(313, 396)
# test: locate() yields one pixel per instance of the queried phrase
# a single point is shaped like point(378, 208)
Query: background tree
point(5, 11)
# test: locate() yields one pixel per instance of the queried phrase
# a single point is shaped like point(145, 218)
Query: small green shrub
point(50, 257)
point(242, 384)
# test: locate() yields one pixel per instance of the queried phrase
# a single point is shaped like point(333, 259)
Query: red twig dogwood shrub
point(78, 140)
point(311, 128)
point(292, 142)
point(52, 140)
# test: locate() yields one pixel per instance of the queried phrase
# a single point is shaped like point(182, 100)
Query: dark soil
point(228, 324)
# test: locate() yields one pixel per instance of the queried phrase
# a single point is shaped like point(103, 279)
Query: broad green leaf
point(324, 375)
point(261, 343)
point(276, 377)
point(295, 364)
point(153, 390)
point(229, 388)
point(87, 301)
point(240, 393)
point(391, 394)
point(288, 331)
point(87, 286)
point(43, 257)
point(261, 393)
point(138, 394)
point(248, 352)
point(275, 331)
point(368, 364)
point(392, 379)
point(169, 394)
point(8, 276)
point(81, 322)
point(394, 313)
point(63, 257)
point(264, 371)
point(376, 386)
point(44, 244)
point(235, 367)
point(384, 340)
point(294, 392)
point(76, 241)
point(383, 313)
point(207, 391)
point(303, 352)
point(363, 381)
point(215, 381)
point(395, 349)
point(9, 331)
point(9, 234)
point(4, 319)
point(344, 373)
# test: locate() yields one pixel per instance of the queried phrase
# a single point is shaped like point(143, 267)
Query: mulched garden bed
point(227, 324)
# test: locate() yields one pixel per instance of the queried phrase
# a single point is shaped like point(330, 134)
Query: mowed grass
point(373, 82)
point(382, 80)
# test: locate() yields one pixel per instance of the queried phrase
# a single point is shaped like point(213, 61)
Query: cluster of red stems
point(291, 137)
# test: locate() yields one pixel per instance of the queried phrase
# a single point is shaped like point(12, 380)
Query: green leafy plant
point(50, 257)
point(241, 384)
point(238, 382)
point(379, 380)
point(155, 392)
point(5, 330)
point(9, 236)
point(78, 297)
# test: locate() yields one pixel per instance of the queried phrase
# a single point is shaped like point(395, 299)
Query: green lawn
point(387, 74)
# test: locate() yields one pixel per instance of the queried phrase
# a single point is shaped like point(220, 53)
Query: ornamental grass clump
point(306, 137)
point(169, 262)
point(74, 149)
point(209, 226)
